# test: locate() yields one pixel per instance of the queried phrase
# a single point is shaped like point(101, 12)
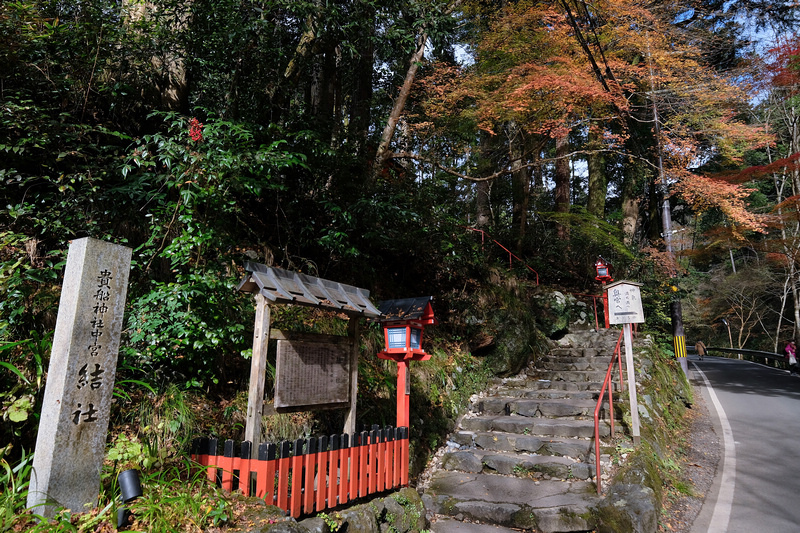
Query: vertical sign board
point(625, 307)
point(311, 374)
point(71, 443)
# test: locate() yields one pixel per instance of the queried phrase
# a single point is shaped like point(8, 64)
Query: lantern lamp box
point(624, 303)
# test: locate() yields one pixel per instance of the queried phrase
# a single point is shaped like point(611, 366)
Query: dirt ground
point(703, 454)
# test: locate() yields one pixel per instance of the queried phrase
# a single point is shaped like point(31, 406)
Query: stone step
point(594, 376)
point(544, 394)
point(516, 464)
point(574, 363)
point(520, 503)
point(581, 353)
point(523, 425)
point(511, 442)
point(533, 407)
point(533, 383)
point(449, 525)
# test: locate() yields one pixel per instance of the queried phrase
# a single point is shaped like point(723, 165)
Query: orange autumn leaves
point(551, 67)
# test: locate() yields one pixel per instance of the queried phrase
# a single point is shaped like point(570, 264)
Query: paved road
point(757, 486)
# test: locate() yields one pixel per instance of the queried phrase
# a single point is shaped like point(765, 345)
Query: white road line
point(722, 509)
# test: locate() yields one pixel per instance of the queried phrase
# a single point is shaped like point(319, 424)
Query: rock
point(404, 512)
point(629, 508)
point(261, 517)
point(495, 513)
point(315, 525)
point(286, 527)
point(462, 462)
point(359, 518)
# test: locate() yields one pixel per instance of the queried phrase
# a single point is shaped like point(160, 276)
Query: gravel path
point(699, 467)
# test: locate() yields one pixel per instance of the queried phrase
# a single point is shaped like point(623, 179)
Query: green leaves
point(193, 181)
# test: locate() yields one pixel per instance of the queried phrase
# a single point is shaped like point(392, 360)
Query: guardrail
point(752, 353)
point(607, 383)
point(595, 297)
point(511, 255)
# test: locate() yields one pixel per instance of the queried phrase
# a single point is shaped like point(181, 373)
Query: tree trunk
point(562, 178)
point(483, 206)
point(520, 182)
point(484, 210)
point(383, 153)
point(171, 80)
point(630, 209)
point(358, 129)
point(399, 104)
point(598, 187)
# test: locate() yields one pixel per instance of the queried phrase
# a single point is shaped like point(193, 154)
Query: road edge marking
point(724, 503)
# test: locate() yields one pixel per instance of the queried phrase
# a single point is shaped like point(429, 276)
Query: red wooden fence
point(310, 475)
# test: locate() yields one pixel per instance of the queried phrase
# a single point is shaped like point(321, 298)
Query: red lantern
point(403, 324)
point(603, 272)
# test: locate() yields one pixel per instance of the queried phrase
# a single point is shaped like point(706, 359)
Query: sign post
point(625, 307)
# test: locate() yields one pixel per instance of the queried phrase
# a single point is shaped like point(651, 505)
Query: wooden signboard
point(311, 374)
point(625, 307)
point(625, 303)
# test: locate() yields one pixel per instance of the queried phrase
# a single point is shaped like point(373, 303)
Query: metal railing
point(753, 353)
point(595, 298)
point(511, 255)
point(607, 383)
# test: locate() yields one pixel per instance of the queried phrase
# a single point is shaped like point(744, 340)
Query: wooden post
point(258, 373)
point(626, 329)
point(403, 393)
point(353, 334)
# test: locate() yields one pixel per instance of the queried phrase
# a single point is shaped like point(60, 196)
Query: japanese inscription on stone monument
point(72, 431)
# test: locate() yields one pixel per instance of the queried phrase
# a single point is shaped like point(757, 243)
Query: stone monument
point(71, 443)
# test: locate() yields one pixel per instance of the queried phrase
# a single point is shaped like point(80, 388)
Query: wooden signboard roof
point(283, 286)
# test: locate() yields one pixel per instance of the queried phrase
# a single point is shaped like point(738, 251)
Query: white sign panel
point(624, 303)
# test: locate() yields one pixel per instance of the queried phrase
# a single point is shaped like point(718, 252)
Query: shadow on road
point(749, 377)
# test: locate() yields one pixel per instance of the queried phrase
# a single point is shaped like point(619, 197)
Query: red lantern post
point(603, 275)
point(403, 324)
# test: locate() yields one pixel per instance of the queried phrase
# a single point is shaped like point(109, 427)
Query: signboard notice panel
point(312, 374)
point(625, 307)
point(624, 303)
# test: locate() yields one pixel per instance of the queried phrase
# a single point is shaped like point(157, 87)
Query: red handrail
point(510, 254)
point(594, 298)
point(607, 382)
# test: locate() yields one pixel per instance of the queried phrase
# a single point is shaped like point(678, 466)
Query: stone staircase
point(523, 457)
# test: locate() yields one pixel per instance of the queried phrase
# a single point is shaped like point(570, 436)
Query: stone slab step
point(545, 383)
point(516, 464)
point(523, 425)
point(555, 408)
point(510, 442)
point(548, 506)
point(575, 363)
point(582, 352)
point(596, 376)
point(450, 525)
point(544, 394)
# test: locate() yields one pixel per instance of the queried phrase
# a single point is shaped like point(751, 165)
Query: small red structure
point(403, 324)
point(601, 268)
point(603, 273)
